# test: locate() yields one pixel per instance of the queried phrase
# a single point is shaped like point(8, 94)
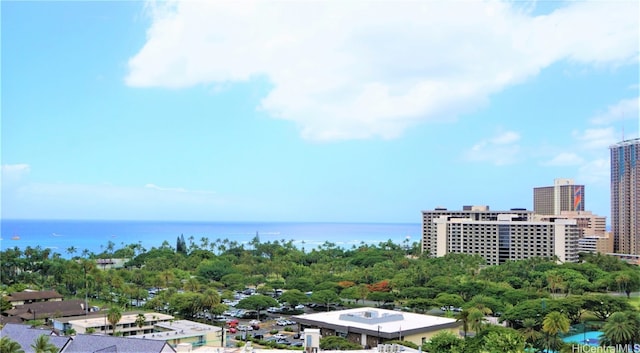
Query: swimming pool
point(592, 338)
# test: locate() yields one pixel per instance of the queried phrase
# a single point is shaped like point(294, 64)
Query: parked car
point(258, 336)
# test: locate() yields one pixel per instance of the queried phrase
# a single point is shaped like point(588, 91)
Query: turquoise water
point(592, 338)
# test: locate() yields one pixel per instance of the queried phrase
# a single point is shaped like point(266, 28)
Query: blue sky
point(309, 111)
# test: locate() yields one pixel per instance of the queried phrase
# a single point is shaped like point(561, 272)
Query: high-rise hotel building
point(625, 196)
point(499, 236)
point(564, 195)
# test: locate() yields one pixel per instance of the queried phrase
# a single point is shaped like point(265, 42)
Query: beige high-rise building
point(596, 243)
point(588, 223)
point(564, 195)
point(625, 196)
point(498, 236)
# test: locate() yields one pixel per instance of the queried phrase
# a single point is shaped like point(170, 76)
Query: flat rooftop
point(377, 320)
point(99, 319)
point(179, 329)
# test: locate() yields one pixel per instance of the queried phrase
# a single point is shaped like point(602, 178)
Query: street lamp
point(378, 335)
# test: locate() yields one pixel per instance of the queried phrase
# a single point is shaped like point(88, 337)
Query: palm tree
point(191, 285)
point(553, 324)
point(113, 316)
point(529, 332)
point(619, 329)
point(481, 302)
point(463, 317)
point(555, 281)
point(167, 277)
point(7, 345)
point(43, 345)
point(140, 320)
point(476, 320)
point(623, 280)
point(71, 250)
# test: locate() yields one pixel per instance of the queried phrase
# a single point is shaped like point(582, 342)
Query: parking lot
point(242, 329)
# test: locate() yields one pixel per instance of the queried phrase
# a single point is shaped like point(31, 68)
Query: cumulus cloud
point(354, 69)
point(622, 110)
point(501, 149)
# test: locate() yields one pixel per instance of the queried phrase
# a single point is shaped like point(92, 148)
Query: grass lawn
point(635, 301)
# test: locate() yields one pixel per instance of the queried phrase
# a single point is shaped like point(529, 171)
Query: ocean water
point(59, 235)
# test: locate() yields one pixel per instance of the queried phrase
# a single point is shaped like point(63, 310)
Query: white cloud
point(596, 138)
point(595, 172)
point(501, 149)
point(565, 159)
point(355, 69)
point(12, 173)
point(181, 190)
point(622, 110)
point(506, 138)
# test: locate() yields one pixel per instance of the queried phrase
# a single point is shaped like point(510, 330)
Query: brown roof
point(47, 294)
point(10, 320)
point(45, 310)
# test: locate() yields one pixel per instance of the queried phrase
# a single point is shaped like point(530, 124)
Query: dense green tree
point(257, 302)
point(603, 305)
point(328, 343)
point(420, 304)
point(325, 297)
point(293, 297)
point(449, 301)
point(302, 284)
point(5, 304)
point(503, 342)
point(186, 304)
point(445, 342)
point(214, 269)
point(414, 292)
point(381, 297)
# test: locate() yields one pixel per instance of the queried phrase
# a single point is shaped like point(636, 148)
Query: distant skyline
point(309, 111)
